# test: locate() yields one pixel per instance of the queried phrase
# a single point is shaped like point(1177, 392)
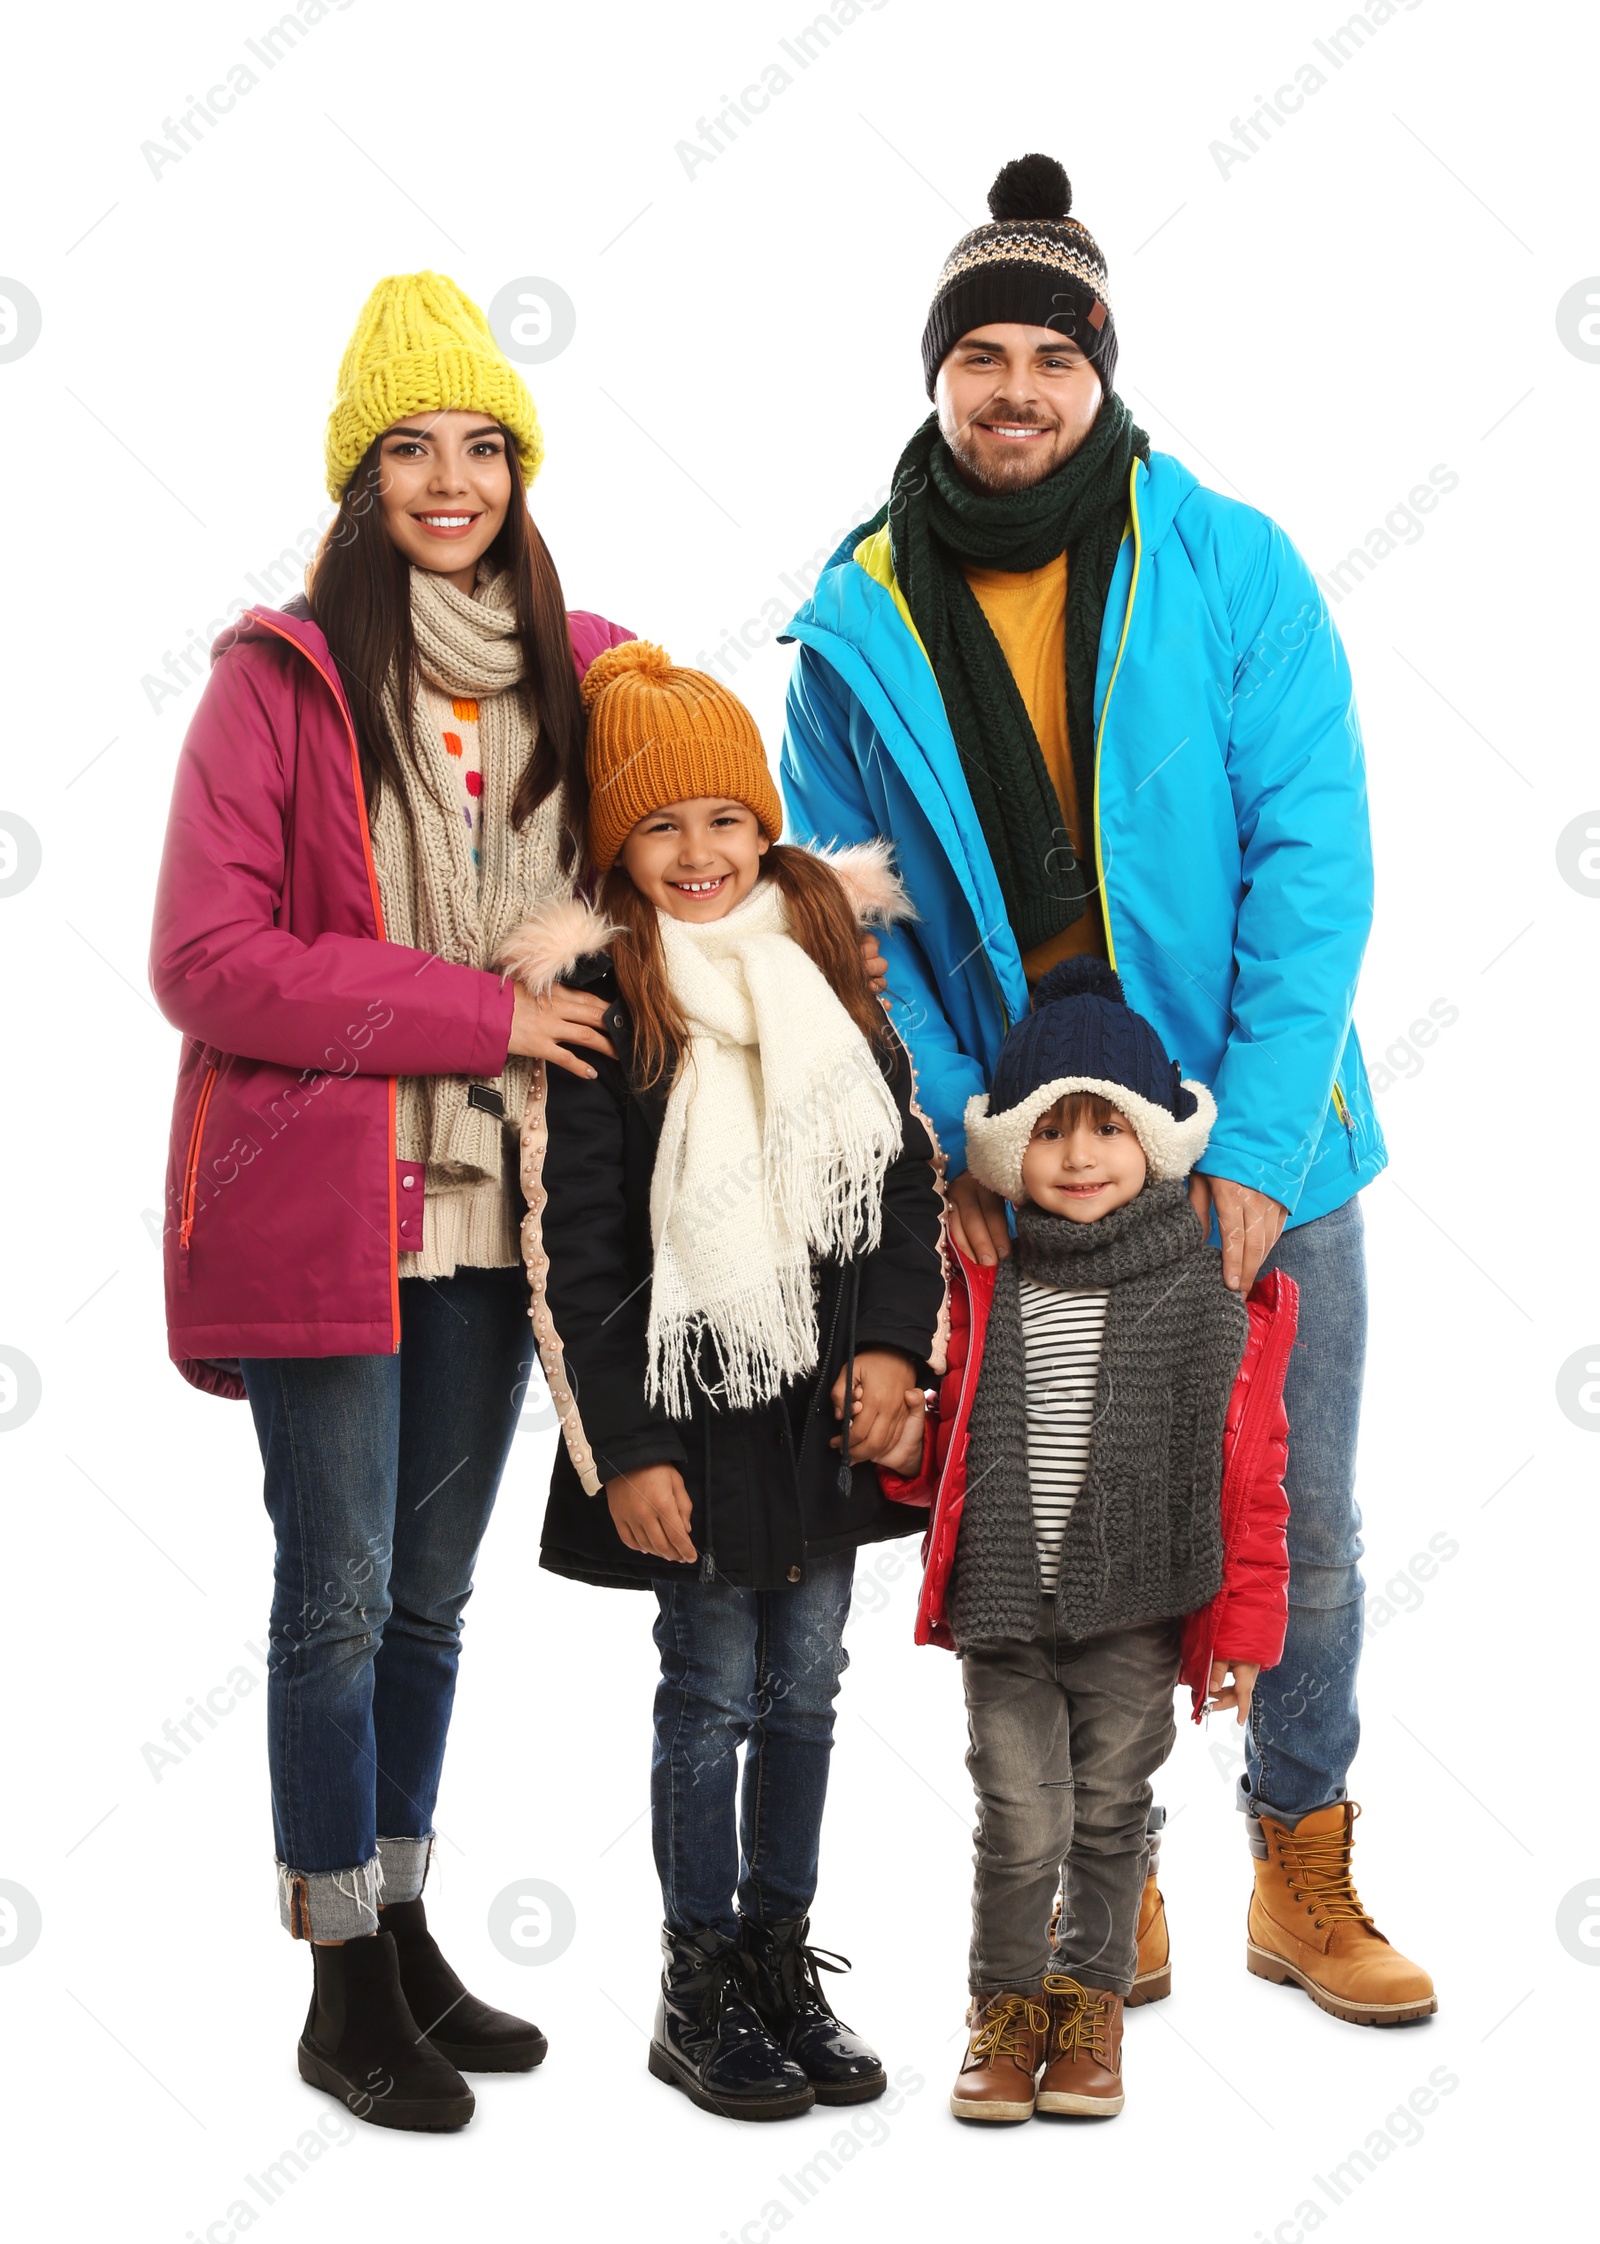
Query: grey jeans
point(1065, 1738)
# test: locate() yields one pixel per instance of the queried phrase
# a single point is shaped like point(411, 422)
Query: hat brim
point(997, 1142)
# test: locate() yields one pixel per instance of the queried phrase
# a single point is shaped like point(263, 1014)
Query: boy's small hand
point(650, 1510)
point(1238, 1692)
point(884, 1380)
point(904, 1457)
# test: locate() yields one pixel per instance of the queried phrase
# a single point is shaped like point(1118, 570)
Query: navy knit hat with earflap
point(1082, 1035)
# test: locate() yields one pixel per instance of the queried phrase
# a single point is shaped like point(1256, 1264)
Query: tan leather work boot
point(1307, 1925)
point(1083, 2072)
point(1004, 2053)
point(1153, 1973)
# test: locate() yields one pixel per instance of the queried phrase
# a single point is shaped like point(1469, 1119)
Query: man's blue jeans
point(761, 1669)
point(381, 1472)
point(1304, 1727)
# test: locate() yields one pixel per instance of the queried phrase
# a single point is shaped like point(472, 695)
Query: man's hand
point(650, 1510)
point(978, 1220)
point(876, 964)
point(1238, 1692)
point(883, 1393)
point(1250, 1223)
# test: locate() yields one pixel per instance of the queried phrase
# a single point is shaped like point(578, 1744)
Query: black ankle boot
point(708, 2040)
point(475, 2037)
point(362, 2044)
point(786, 1992)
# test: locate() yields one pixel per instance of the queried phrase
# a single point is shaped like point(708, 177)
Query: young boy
point(1106, 1457)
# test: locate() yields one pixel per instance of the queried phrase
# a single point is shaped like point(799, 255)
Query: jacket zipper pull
point(1343, 1113)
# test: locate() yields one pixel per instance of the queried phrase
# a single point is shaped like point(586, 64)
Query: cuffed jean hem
point(330, 1904)
point(1251, 1804)
point(403, 1868)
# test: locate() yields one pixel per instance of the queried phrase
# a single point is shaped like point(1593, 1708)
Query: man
point(1100, 708)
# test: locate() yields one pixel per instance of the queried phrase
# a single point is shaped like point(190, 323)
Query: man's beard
point(1029, 465)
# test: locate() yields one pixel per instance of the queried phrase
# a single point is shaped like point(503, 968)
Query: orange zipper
point(191, 1163)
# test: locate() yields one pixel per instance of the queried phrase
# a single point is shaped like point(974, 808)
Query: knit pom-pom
point(1030, 187)
point(652, 662)
point(1083, 976)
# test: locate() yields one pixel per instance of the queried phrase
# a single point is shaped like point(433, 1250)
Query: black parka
point(764, 1483)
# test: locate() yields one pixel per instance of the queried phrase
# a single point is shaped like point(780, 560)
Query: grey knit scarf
point(1144, 1541)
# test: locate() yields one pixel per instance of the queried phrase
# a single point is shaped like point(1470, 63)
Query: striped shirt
point(1061, 1339)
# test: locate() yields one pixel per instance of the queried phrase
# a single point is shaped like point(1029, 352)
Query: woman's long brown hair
point(820, 919)
point(360, 594)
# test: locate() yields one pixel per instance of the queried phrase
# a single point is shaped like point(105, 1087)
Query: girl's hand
point(543, 1027)
point(876, 964)
point(650, 1510)
point(880, 1398)
point(1238, 1693)
point(905, 1456)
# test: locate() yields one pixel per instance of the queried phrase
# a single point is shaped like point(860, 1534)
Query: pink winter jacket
point(287, 1211)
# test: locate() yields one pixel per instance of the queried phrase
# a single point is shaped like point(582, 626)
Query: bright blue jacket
point(1230, 830)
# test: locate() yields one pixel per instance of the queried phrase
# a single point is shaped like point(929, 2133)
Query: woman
point(380, 783)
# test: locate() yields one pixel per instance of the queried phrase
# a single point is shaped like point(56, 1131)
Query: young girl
point(733, 1223)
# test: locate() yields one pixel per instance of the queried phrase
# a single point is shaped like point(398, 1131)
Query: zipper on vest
point(1343, 1112)
point(191, 1161)
point(1105, 708)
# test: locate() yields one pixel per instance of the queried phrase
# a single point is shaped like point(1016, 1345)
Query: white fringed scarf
point(778, 1134)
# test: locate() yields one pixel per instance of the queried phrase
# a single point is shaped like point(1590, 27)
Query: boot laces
point(1086, 2024)
point(1004, 2032)
point(1319, 1870)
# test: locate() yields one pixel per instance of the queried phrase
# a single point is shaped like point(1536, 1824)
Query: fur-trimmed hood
point(548, 944)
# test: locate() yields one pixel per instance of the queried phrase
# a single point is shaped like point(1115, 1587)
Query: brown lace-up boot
point(1307, 1925)
point(1004, 2053)
point(1083, 2072)
point(1153, 1973)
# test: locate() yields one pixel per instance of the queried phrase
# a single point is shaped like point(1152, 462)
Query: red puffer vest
point(1247, 1618)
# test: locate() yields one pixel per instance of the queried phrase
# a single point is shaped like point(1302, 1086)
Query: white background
point(1368, 296)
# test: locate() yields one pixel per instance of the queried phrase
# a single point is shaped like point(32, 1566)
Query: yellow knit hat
point(658, 735)
point(420, 346)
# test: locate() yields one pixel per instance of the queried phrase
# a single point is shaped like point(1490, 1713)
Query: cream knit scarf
point(434, 898)
point(778, 1133)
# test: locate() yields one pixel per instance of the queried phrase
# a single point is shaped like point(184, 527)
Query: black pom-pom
point(1030, 187)
point(1083, 976)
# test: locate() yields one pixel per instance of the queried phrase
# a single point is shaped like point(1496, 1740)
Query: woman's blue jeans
point(758, 1669)
point(1304, 1727)
point(381, 1472)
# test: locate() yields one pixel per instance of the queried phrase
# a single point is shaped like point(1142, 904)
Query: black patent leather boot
point(782, 1977)
point(710, 2043)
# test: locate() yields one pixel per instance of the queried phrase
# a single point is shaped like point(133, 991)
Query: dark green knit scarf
point(936, 525)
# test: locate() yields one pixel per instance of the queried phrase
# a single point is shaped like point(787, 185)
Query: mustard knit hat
point(658, 735)
point(420, 346)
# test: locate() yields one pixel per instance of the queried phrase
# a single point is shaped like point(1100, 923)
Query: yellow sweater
point(1027, 612)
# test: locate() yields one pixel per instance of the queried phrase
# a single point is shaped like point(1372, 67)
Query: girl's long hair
point(360, 595)
point(821, 921)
